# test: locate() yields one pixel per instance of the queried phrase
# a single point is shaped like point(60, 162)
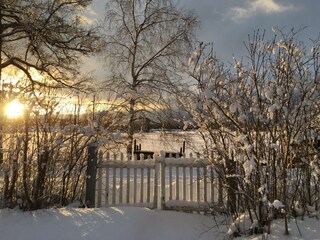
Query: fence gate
point(126, 181)
point(187, 183)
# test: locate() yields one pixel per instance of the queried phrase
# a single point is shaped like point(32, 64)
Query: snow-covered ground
point(130, 223)
point(126, 223)
point(309, 229)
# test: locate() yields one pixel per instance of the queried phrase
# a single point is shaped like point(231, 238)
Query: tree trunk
point(131, 127)
point(1, 90)
point(232, 184)
point(25, 165)
point(14, 177)
point(40, 179)
point(285, 203)
point(284, 189)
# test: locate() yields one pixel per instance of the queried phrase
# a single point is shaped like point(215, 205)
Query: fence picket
point(148, 182)
point(99, 187)
point(162, 181)
point(212, 184)
point(128, 182)
point(121, 181)
point(135, 181)
point(205, 186)
point(177, 184)
point(184, 184)
point(198, 185)
point(107, 179)
point(205, 189)
point(170, 182)
point(141, 182)
point(191, 183)
point(155, 184)
point(114, 181)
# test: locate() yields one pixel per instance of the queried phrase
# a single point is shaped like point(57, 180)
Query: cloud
point(88, 16)
point(91, 11)
point(253, 7)
point(86, 20)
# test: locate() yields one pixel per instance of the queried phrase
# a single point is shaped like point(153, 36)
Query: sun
point(14, 109)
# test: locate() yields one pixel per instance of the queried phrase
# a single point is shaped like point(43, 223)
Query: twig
point(298, 226)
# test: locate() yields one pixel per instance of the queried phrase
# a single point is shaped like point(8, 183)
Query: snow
point(186, 161)
point(308, 227)
point(133, 223)
point(123, 223)
point(128, 164)
point(187, 205)
point(249, 166)
point(277, 204)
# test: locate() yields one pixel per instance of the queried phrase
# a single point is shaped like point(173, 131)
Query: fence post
point(91, 175)
point(162, 180)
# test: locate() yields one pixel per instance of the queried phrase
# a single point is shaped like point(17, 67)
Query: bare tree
point(146, 44)
point(46, 36)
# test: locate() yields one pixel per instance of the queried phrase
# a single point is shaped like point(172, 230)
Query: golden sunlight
point(14, 109)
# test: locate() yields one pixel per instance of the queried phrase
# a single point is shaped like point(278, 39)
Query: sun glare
point(14, 109)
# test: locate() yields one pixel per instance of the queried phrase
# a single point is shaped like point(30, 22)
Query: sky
point(227, 23)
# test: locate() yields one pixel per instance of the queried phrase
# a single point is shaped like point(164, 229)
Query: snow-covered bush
point(261, 119)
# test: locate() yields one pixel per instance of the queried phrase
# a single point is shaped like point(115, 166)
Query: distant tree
point(47, 38)
point(260, 119)
point(147, 43)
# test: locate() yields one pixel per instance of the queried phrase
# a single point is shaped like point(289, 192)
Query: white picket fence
point(187, 183)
